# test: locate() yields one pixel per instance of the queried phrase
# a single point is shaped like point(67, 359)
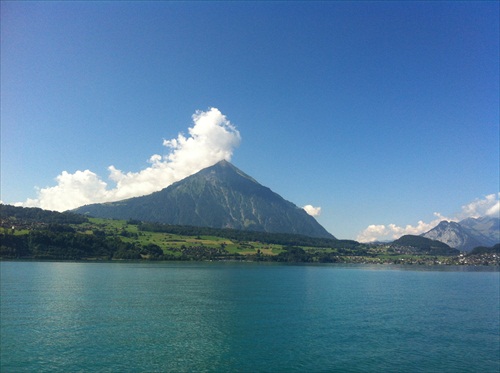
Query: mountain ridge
point(219, 196)
point(467, 234)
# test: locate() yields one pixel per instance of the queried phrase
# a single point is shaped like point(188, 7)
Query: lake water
point(247, 317)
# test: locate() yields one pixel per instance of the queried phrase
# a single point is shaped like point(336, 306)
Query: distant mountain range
point(220, 196)
point(468, 233)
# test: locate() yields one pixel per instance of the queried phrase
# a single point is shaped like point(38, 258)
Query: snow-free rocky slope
point(467, 234)
point(220, 196)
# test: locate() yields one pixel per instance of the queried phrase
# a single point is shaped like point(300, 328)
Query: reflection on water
point(246, 317)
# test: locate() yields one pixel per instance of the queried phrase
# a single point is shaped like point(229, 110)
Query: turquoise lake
point(247, 317)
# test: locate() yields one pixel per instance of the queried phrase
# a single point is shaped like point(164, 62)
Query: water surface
point(247, 317)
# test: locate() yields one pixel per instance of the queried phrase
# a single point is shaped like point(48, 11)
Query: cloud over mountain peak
point(212, 138)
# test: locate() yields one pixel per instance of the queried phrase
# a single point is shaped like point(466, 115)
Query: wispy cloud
point(212, 138)
point(311, 210)
point(487, 206)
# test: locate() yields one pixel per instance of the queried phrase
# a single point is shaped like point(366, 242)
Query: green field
point(172, 243)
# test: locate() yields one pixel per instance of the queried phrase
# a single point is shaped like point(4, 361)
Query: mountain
point(467, 234)
point(422, 245)
point(220, 196)
point(486, 229)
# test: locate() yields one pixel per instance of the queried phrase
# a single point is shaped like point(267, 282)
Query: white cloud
point(313, 211)
point(488, 206)
point(373, 233)
point(392, 231)
point(212, 138)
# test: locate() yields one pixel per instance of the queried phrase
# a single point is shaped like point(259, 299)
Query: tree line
point(286, 239)
point(25, 215)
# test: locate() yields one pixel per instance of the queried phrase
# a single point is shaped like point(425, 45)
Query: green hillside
point(422, 245)
point(486, 250)
point(27, 233)
point(31, 233)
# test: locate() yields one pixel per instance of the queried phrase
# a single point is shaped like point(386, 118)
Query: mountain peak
point(219, 196)
point(224, 171)
point(220, 165)
point(224, 163)
point(448, 224)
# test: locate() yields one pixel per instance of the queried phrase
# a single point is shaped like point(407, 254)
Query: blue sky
point(380, 113)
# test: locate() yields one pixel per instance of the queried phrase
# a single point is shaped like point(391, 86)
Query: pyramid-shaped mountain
point(220, 196)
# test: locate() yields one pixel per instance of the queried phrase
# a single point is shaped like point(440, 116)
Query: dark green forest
point(422, 245)
point(26, 215)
